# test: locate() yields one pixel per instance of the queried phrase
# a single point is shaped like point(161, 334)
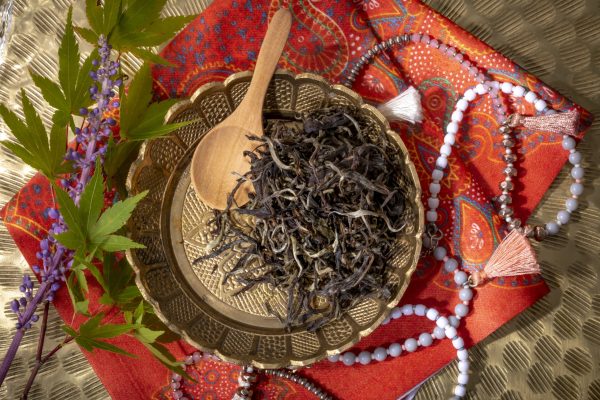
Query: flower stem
point(14, 345)
point(41, 361)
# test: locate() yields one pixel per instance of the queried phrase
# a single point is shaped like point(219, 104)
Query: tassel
point(564, 123)
point(514, 256)
point(404, 107)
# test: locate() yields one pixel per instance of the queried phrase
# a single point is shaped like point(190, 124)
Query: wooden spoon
point(221, 152)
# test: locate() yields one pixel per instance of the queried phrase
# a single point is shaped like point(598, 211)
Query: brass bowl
point(174, 226)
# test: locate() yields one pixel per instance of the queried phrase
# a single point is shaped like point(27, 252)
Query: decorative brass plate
point(175, 227)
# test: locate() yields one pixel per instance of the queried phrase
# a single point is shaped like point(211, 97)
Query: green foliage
point(95, 234)
point(131, 26)
point(88, 230)
point(141, 119)
point(75, 80)
point(33, 147)
point(89, 334)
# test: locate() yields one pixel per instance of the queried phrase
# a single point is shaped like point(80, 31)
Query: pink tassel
point(514, 256)
point(564, 123)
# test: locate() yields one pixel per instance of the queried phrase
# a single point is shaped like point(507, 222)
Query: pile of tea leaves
point(327, 209)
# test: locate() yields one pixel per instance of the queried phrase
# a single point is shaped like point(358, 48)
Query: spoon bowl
point(219, 158)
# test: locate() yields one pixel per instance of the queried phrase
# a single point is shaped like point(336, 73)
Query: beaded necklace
point(513, 257)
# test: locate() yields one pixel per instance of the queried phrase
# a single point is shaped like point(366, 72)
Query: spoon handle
point(270, 52)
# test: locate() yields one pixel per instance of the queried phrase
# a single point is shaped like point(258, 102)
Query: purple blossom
point(54, 259)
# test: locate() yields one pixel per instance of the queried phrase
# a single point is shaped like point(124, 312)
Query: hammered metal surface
point(194, 300)
point(32, 42)
point(550, 351)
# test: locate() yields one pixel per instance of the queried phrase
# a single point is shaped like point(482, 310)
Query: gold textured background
point(550, 351)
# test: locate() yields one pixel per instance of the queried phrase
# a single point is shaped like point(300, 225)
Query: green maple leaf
point(141, 119)
point(71, 93)
point(132, 26)
point(89, 230)
point(33, 146)
point(90, 332)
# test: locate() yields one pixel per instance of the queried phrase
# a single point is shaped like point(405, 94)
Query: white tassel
point(404, 107)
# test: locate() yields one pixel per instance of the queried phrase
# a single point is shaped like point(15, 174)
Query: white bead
point(432, 216)
point(506, 87)
point(432, 314)
point(420, 310)
point(568, 143)
point(530, 97)
point(465, 294)
point(563, 217)
point(462, 105)
point(576, 189)
point(396, 312)
point(439, 333)
point(577, 173)
point(434, 188)
point(461, 310)
point(433, 202)
point(480, 89)
point(425, 339)
point(411, 345)
point(451, 332)
point(348, 358)
point(460, 277)
point(470, 95)
point(462, 354)
point(450, 265)
point(575, 158)
point(446, 150)
point(540, 105)
point(455, 322)
point(442, 322)
point(386, 321)
point(437, 174)
point(380, 354)
point(364, 357)
point(552, 228)
point(460, 391)
point(395, 349)
point(463, 366)
point(439, 253)
point(407, 309)
point(458, 343)
point(450, 138)
point(571, 204)
point(518, 91)
point(456, 116)
point(463, 379)
point(452, 127)
point(334, 358)
point(441, 162)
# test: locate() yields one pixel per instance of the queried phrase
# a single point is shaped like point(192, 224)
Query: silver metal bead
point(506, 185)
point(504, 129)
point(514, 224)
point(508, 143)
point(506, 212)
point(510, 171)
point(398, 39)
point(504, 199)
point(509, 158)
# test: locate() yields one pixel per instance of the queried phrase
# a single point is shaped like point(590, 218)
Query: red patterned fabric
point(327, 38)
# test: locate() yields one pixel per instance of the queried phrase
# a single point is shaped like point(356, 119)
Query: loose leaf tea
point(327, 209)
